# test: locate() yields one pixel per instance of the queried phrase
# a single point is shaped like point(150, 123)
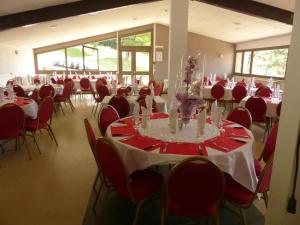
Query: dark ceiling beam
point(253, 8)
point(62, 11)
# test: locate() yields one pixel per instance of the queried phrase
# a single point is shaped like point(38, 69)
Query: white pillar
point(283, 169)
point(177, 40)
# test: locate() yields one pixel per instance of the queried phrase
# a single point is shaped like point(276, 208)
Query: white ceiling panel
point(283, 4)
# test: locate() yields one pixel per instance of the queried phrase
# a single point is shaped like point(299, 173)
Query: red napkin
point(23, 101)
point(227, 122)
point(236, 132)
point(122, 131)
point(128, 121)
point(208, 120)
point(159, 116)
point(180, 149)
point(223, 144)
point(142, 142)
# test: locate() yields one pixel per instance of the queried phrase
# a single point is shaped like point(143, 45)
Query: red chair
point(35, 95)
point(142, 102)
point(53, 81)
point(122, 91)
point(145, 91)
point(46, 90)
point(222, 82)
point(107, 116)
point(242, 198)
point(241, 116)
point(137, 187)
point(98, 84)
point(268, 150)
point(65, 97)
point(60, 81)
point(257, 108)
point(104, 81)
point(128, 89)
point(85, 86)
point(19, 91)
point(43, 120)
point(258, 84)
point(242, 83)
point(194, 188)
point(157, 90)
point(121, 104)
point(11, 81)
point(66, 80)
point(12, 118)
point(36, 80)
point(161, 89)
point(217, 92)
point(238, 93)
point(152, 82)
point(264, 92)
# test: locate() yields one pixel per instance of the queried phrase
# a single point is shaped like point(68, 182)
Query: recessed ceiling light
point(166, 10)
point(29, 25)
point(93, 13)
point(53, 26)
point(135, 18)
point(237, 23)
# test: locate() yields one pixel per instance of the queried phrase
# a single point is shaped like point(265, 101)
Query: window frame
point(252, 50)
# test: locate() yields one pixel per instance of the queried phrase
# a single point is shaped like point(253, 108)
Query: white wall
point(265, 42)
point(21, 63)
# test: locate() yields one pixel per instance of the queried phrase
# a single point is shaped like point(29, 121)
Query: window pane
point(142, 61)
point(144, 79)
point(126, 61)
point(246, 62)
point(270, 62)
point(143, 39)
point(238, 62)
point(75, 58)
point(54, 60)
point(90, 58)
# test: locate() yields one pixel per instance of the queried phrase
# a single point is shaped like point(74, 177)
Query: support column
point(177, 40)
point(284, 161)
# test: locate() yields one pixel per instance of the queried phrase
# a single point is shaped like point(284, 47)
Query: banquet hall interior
point(148, 112)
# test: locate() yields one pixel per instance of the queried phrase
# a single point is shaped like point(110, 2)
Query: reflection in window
point(90, 58)
point(75, 58)
point(238, 62)
point(54, 60)
point(143, 39)
point(270, 62)
point(247, 62)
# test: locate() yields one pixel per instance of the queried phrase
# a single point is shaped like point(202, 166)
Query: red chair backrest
point(142, 102)
point(128, 89)
point(10, 82)
point(67, 80)
point(217, 91)
point(104, 81)
point(36, 80)
point(278, 109)
point(269, 147)
point(68, 89)
point(258, 84)
point(222, 82)
point(241, 116)
point(242, 83)
point(90, 134)
point(35, 95)
point(45, 110)
point(122, 91)
point(112, 167)
point(239, 92)
point(265, 177)
point(60, 81)
point(46, 90)
point(257, 108)
point(19, 91)
point(161, 89)
point(145, 91)
point(152, 82)
point(12, 121)
point(53, 81)
point(195, 185)
point(85, 83)
point(102, 92)
point(121, 104)
point(107, 116)
point(157, 90)
point(264, 92)
point(99, 83)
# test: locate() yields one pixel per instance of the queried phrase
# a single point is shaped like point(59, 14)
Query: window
point(75, 58)
point(262, 62)
point(54, 60)
point(143, 39)
point(90, 58)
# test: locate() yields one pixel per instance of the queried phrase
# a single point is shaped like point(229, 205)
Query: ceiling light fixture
point(29, 25)
point(53, 26)
point(135, 18)
point(237, 23)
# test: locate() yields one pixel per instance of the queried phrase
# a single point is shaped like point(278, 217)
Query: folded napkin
point(180, 149)
point(159, 116)
point(129, 121)
point(227, 122)
point(141, 142)
point(122, 131)
point(236, 132)
point(22, 101)
point(223, 144)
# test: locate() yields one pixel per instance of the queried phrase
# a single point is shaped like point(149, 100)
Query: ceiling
point(204, 19)
point(283, 4)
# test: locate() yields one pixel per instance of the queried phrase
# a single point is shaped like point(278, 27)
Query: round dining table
point(231, 148)
point(29, 106)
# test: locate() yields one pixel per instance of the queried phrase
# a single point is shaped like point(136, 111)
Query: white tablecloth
point(272, 104)
point(160, 103)
point(30, 109)
point(238, 163)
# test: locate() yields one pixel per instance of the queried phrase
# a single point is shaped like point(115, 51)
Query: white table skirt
point(239, 163)
point(271, 106)
point(160, 103)
point(30, 109)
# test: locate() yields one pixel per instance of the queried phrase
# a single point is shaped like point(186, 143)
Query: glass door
point(135, 66)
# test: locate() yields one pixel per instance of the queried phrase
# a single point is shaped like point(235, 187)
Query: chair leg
point(71, 104)
point(97, 104)
point(95, 181)
point(2, 149)
point(243, 216)
point(60, 105)
point(49, 133)
point(98, 195)
point(266, 198)
point(162, 216)
point(49, 127)
point(137, 212)
point(28, 152)
point(35, 141)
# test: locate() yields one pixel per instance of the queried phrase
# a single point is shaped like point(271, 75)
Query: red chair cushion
point(236, 192)
point(238, 93)
point(217, 91)
point(257, 108)
point(59, 98)
point(31, 125)
point(258, 167)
